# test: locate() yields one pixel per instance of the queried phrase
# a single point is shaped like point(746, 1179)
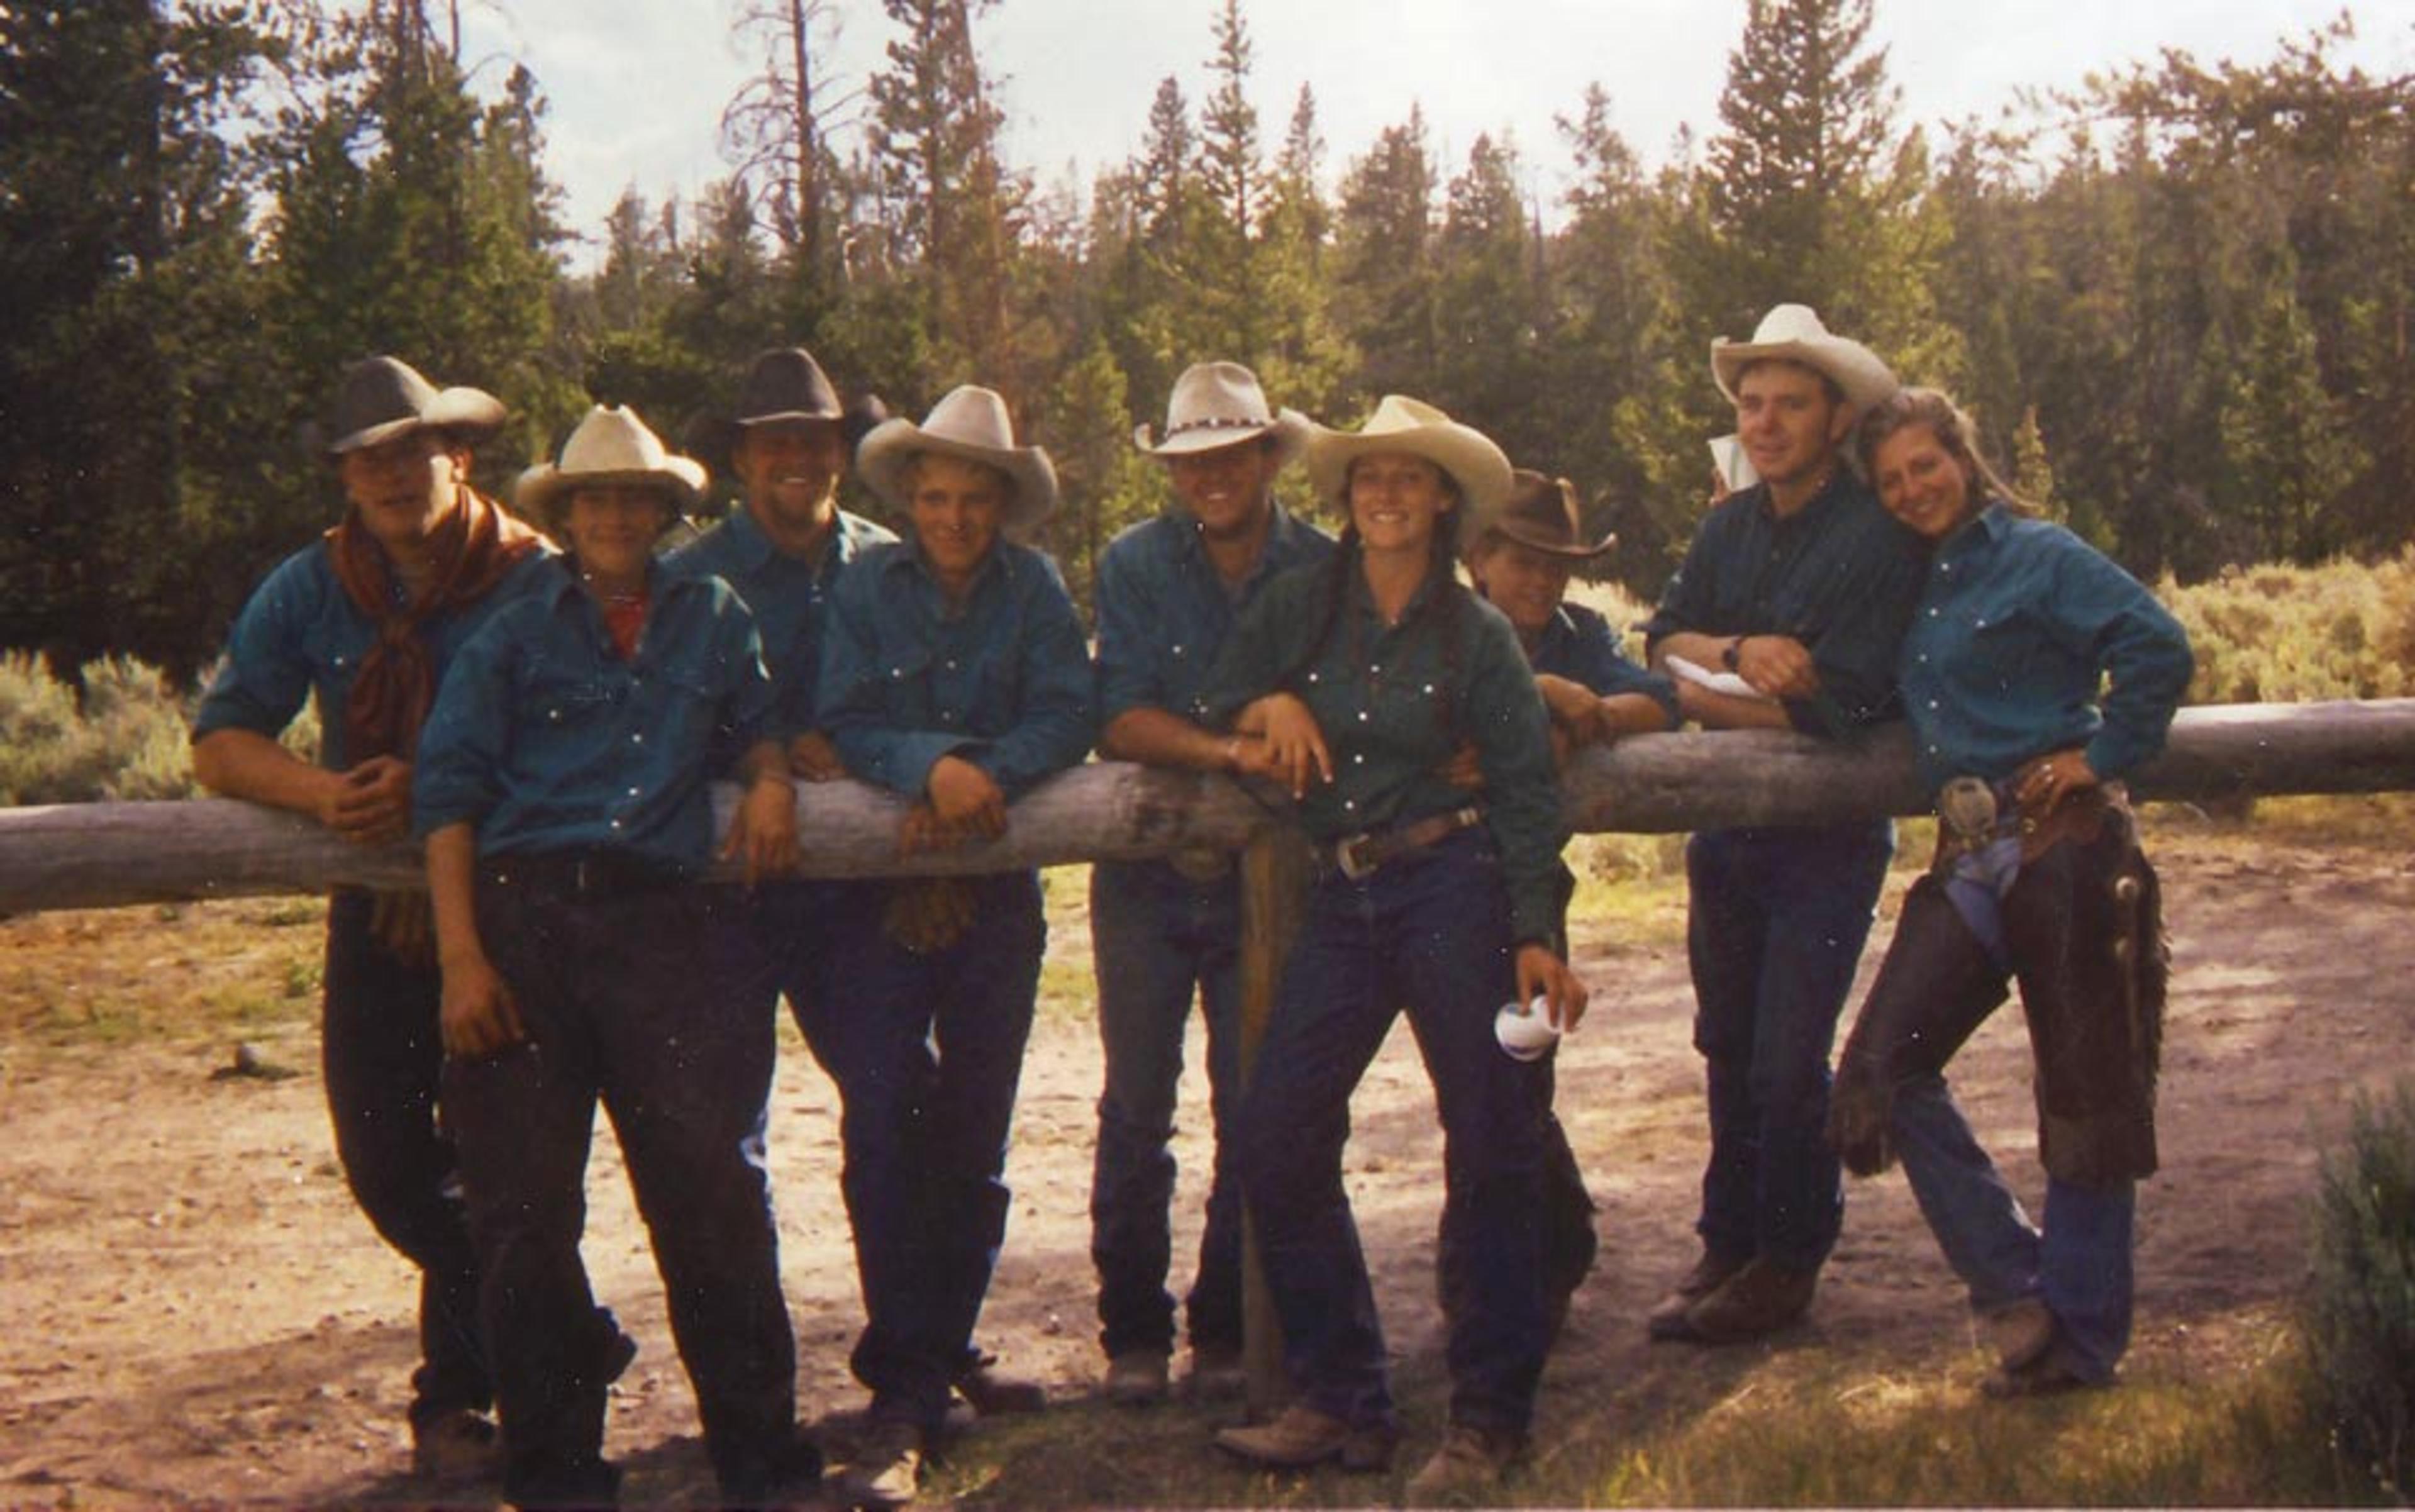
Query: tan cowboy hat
point(380, 398)
point(1218, 404)
point(611, 445)
point(1793, 332)
point(970, 423)
point(1401, 424)
point(1542, 514)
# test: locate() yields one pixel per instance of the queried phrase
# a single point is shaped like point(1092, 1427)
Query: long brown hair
point(1945, 420)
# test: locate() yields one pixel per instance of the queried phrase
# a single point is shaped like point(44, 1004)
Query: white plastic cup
point(1525, 1030)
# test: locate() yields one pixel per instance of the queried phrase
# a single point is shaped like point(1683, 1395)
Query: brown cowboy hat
point(380, 398)
point(783, 384)
point(1542, 514)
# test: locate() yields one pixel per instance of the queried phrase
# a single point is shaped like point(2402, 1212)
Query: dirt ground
point(192, 1313)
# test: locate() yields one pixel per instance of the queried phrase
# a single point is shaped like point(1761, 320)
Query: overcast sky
point(637, 87)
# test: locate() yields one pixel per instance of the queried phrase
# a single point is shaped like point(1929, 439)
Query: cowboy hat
point(380, 398)
point(1412, 426)
point(1218, 404)
point(1793, 332)
point(783, 384)
point(970, 423)
point(611, 445)
point(1542, 515)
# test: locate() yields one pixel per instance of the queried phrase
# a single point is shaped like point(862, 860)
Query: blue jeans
point(927, 1052)
point(632, 999)
point(2079, 1266)
point(1161, 939)
point(382, 1060)
point(1775, 925)
point(1428, 933)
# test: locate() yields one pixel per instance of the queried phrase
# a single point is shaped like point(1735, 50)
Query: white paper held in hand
point(1525, 1030)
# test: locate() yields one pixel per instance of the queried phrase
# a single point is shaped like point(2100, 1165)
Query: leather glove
point(1859, 1107)
point(927, 914)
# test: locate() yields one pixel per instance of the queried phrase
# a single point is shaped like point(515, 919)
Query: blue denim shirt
point(2018, 624)
point(789, 597)
point(1005, 684)
point(1838, 575)
point(300, 633)
point(1163, 612)
point(547, 742)
point(1377, 691)
point(1580, 645)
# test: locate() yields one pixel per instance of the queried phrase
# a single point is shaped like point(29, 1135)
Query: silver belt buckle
point(1966, 814)
point(1346, 857)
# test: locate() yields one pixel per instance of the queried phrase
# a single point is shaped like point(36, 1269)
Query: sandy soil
point(191, 1311)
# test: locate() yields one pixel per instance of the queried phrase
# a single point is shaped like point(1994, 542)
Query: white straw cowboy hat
point(611, 445)
point(1793, 332)
point(380, 398)
point(970, 423)
point(1220, 404)
point(1401, 424)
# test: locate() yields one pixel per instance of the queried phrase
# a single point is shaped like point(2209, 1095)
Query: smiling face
point(1789, 421)
point(1225, 489)
point(790, 469)
point(1522, 583)
point(404, 487)
point(955, 507)
point(612, 529)
point(1395, 500)
point(1921, 482)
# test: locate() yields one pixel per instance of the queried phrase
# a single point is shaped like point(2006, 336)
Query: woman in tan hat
point(1365, 674)
point(562, 795)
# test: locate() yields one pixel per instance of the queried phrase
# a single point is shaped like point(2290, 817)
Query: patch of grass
point(1820, 1429)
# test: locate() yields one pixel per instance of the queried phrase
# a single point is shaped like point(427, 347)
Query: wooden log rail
point(107, 855)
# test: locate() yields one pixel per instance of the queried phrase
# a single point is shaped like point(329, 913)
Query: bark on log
point(107, 855)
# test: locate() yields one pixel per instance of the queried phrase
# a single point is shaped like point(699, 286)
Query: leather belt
point(600, 873)
point(1357, 856)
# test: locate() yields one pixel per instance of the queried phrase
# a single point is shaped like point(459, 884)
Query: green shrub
point(125, 739)
point(2359, 1312)
point(2289, 634)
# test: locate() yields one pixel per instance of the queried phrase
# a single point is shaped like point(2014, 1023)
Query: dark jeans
point(1568, 1241)
point(1160, 941)
point(633, 999)
point(382, 1060)
point(1428, 934)
point(1775, 926)
point(927, 1052)
point(790, 925)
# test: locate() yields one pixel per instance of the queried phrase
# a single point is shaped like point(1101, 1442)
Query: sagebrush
point(2359, 1313)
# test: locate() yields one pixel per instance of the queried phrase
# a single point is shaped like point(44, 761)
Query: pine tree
point(141, 376)
point(955, 207)
point(1384, 263)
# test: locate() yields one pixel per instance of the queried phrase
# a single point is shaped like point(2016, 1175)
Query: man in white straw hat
point(562, 797)
point(955, 674)
point(368, 618)
point(1798, 587)
point(1164, 931)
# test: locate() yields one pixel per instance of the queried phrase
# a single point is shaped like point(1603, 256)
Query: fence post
point(1274, 892)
